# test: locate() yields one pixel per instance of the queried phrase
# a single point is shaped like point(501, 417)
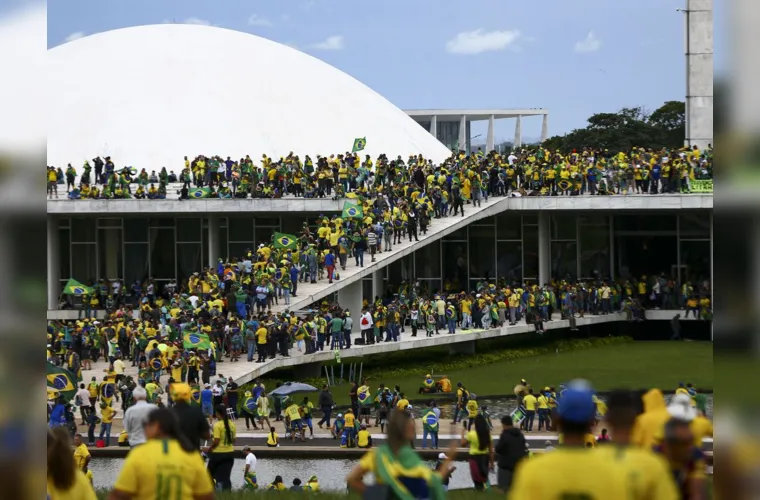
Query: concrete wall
point(699, 72)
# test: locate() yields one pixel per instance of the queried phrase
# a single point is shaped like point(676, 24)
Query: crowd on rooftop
point(527, 171)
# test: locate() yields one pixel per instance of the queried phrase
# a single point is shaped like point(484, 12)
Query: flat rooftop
point(450, 115)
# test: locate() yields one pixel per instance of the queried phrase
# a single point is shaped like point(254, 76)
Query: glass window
point(695, 262)
point(204, 247)
point(458, 235)
point(563, 227)
point(695, 225)
point(162, 253)
point(135, 262)
point(162, 222)
point(136, 230)
point(530, 252)
point(189, 229)
point(430, 287)
point(64, 254)
point(188, 260)
point(84, 263)
point(455, 264)
point(110, 264)
point(655, 221)
point(509, 260)
point(488, 221)
point(638, 255)
point(109, 222)
point(222, 250)
point(564, 260)
point(508, 227)
point(401, 270)
point(240, 229)
point(428, 261)
point(267, 221)
point(482, 253)
point(264, 234)
point(367, 290)
point(64, 222)
point(530, 219)
point(237, 250)
point(83, 230)
point(594, 220)
point(595, 251)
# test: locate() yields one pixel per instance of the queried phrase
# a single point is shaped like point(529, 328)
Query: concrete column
point(213, 240)
point(545, 128)
point(350, 297)
point(434, 126)
point(489, 135)
point(544, 249)
point(378, 285)
point(463, 133)
point(518, 132)
point(53, 263)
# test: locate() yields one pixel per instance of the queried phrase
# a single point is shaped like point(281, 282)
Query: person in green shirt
point(336, 330)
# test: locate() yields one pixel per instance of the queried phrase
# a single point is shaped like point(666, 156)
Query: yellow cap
point(180, 392)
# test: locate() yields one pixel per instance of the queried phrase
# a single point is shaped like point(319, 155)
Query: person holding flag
point(430, 426)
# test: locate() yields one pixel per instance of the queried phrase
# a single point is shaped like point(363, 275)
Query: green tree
point(670, 118)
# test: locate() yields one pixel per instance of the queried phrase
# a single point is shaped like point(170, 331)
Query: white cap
point(442, 456)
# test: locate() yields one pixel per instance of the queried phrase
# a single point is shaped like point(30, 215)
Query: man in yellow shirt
point(543, 412)
point(261, 340)
point(530, 403)
point(577, 472)
point(81, 453)
point(647, 473)
point(293, 412)
point(106, 419)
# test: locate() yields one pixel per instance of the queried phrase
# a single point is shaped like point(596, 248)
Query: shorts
point(296, 425)
point(364, 410)
point(307, 421)
point(207, 410)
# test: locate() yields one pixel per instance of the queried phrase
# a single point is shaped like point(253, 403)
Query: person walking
point(136, 416)
point(221, 453)
point(510, 450)
point(481, 456)
point(325, 403)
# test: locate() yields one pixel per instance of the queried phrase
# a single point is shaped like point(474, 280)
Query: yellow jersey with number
point(578, 474)
point(160, 468)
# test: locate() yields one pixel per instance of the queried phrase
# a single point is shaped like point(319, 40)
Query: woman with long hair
point(481, 456)
point(222, 450)
point(64, 480)
point(167, 465)
point(399, 472)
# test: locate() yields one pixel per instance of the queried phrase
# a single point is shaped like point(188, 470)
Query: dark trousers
point(220, 468)
point(529, 416)
point(327, 411)
point(347, 338)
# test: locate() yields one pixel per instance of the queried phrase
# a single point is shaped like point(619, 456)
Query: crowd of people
point(529, 170)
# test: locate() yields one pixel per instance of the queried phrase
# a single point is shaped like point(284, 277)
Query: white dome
point(148, 96)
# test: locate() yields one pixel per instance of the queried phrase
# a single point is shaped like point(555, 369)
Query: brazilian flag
point(359, 144)
point(351, 211)
point(199, 193)
point(195, 340)
point(285, 241)
point(107, 392)
point(61, 380)
point(195, 394)
point(73, 287)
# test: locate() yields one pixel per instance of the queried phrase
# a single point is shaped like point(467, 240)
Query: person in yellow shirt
point(543, 412)
point(530, 403)
point(647, 473)
point(472, 411)
point(106, 419)
point(572, 464)
point(651, 422)
point(64, 480)
point(222, 450)
point(261, 340)
point(167, 465)
point(293, 413)
point(363, 437)
point(81, 453)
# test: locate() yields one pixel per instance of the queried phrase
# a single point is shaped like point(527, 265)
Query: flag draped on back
point(285, 241)
point(73, 287)
point(61, 380)
point(195, 340)
point(351, 211)
point(359, 144)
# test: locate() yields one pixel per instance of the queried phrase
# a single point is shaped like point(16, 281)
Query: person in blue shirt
point(330, 265)
point(207, 401)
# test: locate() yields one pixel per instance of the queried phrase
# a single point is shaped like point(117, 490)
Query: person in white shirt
point(365, 323)
point(249, 476)
point(85, 406)
point(218, 392)
point(136, 416)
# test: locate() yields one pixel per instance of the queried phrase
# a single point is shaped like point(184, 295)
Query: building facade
point(518, 245)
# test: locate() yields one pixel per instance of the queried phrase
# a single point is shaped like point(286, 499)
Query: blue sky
point(573, 57)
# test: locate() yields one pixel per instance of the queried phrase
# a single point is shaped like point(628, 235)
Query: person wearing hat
point(572, 463)
point(445, 474)
point(312, 484)
point(192, 422)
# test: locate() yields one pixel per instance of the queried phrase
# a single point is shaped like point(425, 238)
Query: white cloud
point(477, 41)
point(195, 20)
point(256, 20)
point(589, 44)
point(75, 36)
point(334, 42)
